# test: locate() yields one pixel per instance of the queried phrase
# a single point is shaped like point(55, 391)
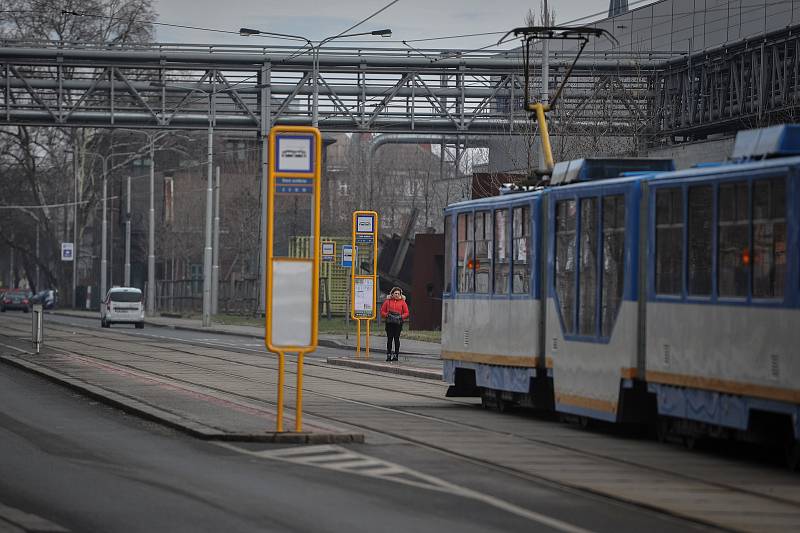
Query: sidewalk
point(426, 353)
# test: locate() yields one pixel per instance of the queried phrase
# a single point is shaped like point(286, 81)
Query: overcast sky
point(317, 19)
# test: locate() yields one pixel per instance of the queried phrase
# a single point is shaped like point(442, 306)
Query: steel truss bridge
point(752, 83)
point(657, 95)
point(252, 88)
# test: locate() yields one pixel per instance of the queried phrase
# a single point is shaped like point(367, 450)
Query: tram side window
point(733, 254)
point(465, 257)
point(483, 251)
point(587, 287)
point(521, 235)
point(769, 238)
point(613, 260)
point(448, 255)
point(502, 268)
point(669, 241)
point(565, 261)
point(700, 230)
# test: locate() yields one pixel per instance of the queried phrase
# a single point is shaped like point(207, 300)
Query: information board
point(363, 297)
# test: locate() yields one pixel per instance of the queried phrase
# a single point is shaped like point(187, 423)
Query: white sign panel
point(363, 299)
point(67, 251)
point(294, 154)
point(291, 303)
point(328, 248)
point(365, 224)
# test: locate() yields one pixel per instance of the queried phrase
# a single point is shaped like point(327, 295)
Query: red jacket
point(390, 305)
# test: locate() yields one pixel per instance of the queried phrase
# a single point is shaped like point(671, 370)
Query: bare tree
point(38, 159)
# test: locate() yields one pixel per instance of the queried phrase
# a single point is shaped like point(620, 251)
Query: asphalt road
point(89, 468)
point(86, 467)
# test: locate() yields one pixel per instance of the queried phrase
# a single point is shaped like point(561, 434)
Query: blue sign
point(347, 256)
point(364, 238)
point(294, 185)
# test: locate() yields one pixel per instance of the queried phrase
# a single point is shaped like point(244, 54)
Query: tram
point(628, 291)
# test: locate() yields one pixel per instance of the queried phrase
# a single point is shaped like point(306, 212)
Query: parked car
point(48, 298)
point(122, 305)
point(16, 300)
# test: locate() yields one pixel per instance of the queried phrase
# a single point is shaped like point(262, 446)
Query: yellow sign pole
point(363, 287)
point(292, 323)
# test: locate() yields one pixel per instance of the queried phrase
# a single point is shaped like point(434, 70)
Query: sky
point(316, 19)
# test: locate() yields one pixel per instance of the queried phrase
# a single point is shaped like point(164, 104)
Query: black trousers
point(393, 334)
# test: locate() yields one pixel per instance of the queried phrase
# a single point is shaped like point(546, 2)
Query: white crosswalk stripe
point(332, 457)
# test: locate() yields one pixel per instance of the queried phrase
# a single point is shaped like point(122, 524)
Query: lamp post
point(207, 250)
point(151, 231)
point(246, 32)
point(104, 239)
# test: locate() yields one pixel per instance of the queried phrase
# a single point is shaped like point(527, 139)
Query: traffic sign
point(328, 251)
point(365, 223)
point(67, 251)
point(347, 256)
point(292, 282)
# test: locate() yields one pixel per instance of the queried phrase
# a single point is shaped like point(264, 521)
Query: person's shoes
point(395, 357)
point(388, 357)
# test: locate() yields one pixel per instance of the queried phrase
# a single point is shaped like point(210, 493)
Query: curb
point(165, 418)
point(391, 369)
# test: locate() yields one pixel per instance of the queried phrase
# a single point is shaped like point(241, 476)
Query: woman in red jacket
point(394, 311)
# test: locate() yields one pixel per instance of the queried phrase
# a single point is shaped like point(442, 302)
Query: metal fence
point(185, 296)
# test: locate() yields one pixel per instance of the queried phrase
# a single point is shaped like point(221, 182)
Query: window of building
point(613, 261)
point(733, 252)
point(448, 255)
point(700, 228)
point(565, 261)
point(587, 286)
point(521, 249)
point(669, 241)
point(464, 270)
point(502, 268)
point(483, 252)
point(769, 238)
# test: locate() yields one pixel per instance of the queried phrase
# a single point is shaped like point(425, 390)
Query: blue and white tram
point(627, 290)
point(492, 312)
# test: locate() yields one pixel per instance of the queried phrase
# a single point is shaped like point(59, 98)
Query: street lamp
point(104, 245)
point(104, 241)
point(315, 48)
point(151, 246)
point(208, 250)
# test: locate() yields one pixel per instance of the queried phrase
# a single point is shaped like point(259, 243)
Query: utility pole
point(104, 240)
point(545, 94)
point(215, 267)
point(75, 228)
point(128, 236)
point(209, 207)
point(151, 239)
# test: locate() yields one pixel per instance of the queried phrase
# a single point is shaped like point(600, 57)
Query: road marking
point(27, 521)
point(336, 458)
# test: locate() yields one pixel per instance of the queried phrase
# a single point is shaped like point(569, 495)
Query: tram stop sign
point(294, 196)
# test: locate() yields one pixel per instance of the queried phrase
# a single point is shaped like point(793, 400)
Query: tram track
point(491, 434)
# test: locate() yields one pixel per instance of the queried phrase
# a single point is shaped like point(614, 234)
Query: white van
point(122, 305)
